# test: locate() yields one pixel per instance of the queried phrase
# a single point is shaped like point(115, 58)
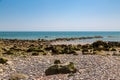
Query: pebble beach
point(28, 67)
point(90, 67)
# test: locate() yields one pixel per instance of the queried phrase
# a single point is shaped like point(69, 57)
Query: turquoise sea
point(108, 36)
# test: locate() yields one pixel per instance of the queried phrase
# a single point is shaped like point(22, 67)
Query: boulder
point(61, 69)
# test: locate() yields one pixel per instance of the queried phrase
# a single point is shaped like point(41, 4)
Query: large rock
point(61, 69)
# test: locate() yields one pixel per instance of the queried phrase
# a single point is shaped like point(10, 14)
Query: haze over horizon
point(59, 15)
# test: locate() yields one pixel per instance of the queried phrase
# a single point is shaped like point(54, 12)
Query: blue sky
point(59, 15)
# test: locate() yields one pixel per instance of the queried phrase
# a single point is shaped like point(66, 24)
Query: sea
point(49, 35)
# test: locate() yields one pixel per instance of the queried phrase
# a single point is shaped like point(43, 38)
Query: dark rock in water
point(75, 38)
point(61, 69)
point(46, 36)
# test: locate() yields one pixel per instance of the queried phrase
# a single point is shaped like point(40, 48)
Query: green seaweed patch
point(32, 49)
point(3, 60)
point(57, 62)
point(35, 54)
point(8, 52)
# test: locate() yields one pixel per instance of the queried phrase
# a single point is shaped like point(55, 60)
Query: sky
point(59, 15)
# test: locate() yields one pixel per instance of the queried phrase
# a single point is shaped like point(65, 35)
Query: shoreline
point(58, 41)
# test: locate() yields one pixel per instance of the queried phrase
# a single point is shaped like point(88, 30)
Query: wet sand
point(69, 43)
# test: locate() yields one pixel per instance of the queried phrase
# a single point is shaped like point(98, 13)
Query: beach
point(59, 39)
point(90, 67)
point(29, 59)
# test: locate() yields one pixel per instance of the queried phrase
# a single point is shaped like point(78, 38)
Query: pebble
point(90, 67)
point(1, 70)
